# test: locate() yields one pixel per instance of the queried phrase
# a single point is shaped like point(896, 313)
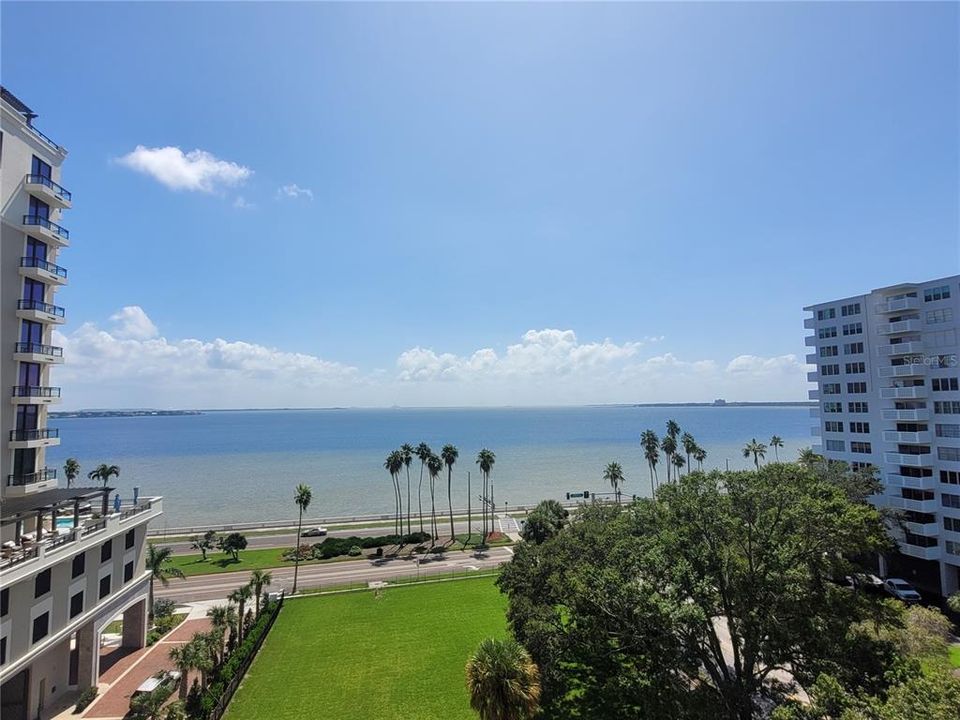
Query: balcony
point(893, 436)
point(45, 272)
point(48, 191)
point(900, 503)
point(810, 341)
point(908, 459)
point(926, 529)
point(24, 479)
point(811, 359)
point(813, 394)
point(899, 304)
point(923, 553)
point(914, 347)
point(35, 395)
point(909, 370)
point(895, 480)
point(903, 393)
point(37, 352)
point(46, 229)
point(901, 327)
point(42, 312)
point(813, 376)
point(810, 323)
point(41, 437)
point(917, 415)
point(815, 412)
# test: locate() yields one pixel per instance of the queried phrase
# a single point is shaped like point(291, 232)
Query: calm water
point(243, 466)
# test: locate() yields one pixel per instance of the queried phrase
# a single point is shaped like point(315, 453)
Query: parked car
point(152, 683)
point(866, 582)
point(314, 532)
point(902, 590)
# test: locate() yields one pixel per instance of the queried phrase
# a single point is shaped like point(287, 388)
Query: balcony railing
point(899, 304)
point(57, 190)
point(36, 434)
point(47, 224)
point(21, 479)
point(38, 349)
point(32, 262)
point(41, 307)
point(35, 391)
point(900, 327)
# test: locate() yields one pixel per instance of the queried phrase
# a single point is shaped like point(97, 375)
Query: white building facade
point(888, 388)
point(71, 559)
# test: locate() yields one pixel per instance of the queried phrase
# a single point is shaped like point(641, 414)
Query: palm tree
point(71, 469)
point(689, 445)
point(104, 472)
point(758, 450)
point(158, 559)
point(240, 596)
point(302, 497)
point(699, 454)
point(673, 430)
point(486, 459)
point(651, 451)
point(205, 658)
point(808, 458)
point(678, 463)
point(669, 447)
point(613, 474)
point(434, 468)
point(222, 618)
point(776, 442)
point(393, 465)
point(184, 659)
point(423, 452)
point(450, 455)
point(503, 682)
point(259, 579)
point(406, 451)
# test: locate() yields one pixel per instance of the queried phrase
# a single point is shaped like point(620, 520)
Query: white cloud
point(131, 322)
point(772, 365)
point(242, 203)
point(294, 191)
point(195, 170)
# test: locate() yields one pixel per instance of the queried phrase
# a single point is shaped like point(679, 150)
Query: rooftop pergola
point(14, 510)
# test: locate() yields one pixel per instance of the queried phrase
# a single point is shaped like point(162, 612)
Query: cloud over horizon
point(197, 170)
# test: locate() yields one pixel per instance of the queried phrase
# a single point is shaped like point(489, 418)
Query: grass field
point(955, 656)
point(355, 657)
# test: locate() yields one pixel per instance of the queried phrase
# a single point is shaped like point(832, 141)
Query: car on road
point(902, 590)
point(314, 532)
point(152, 683)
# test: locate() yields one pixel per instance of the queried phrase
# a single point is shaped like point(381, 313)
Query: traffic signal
point(586, 494)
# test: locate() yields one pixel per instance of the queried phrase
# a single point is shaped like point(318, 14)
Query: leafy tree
point(158, 565)
point(651, 452)
point(449, 454)
point(71, 470)
point(503, 681)
point(757, 449)
point(103, 473)
point(205, 543)
point(406, 452)
point(302, 496)
point(486, 460)
point(613, 474)
point(233, 544)
point(776, 443)
point(808, 458)
point(544, 521)
point(953, 602)
point(259, 579)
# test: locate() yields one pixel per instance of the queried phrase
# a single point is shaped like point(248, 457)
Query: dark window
point(4, 601)
point(104, 586)
point(41, 585)
point(76, 604)
point(128, 572)
point(129, 539)
point(3, 651)
point(106, 551)
point(79, 565)
point(41, 626)
point(39, 167)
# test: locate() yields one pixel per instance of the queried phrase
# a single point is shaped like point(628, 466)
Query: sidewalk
point(509, 527)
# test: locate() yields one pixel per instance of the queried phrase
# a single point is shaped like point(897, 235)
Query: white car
point(314, 532)
point(901, 589)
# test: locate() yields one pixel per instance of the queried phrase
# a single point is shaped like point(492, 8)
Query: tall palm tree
point(486, 460)
point(434, 468)
point(240, 596)
point(204, 652)
point(757, 449)
point(678, 463)
point(450, 455)
point(669, 447)
point(651, 451)
point(673, 430)
point(302, 497)
point(406, 451)
point(689, 445)
point(71, 469)
point(699, 455)
point(808, 458)
point(503, 682)
point(259, 579)
point(222, 618)
point(423, 451)
point(184, 659)
point(104, 472)
point(776, 442)
point(393, 465)
point(158, 564)
point(613, 474)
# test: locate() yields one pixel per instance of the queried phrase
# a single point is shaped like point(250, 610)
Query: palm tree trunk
point(469, 512)
point(419, 496)
point(450, 501)
point(296, 553)
point(150, 599)
point(408, 499)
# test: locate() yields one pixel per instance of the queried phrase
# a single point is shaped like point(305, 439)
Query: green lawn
point(218, 562)
point(354, 656)
point(955, 656)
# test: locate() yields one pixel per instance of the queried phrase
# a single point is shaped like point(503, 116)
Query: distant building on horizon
point(70, 562)
point(889, 396)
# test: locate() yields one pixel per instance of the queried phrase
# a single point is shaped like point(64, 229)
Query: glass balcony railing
point(35, 391)
point(21, 479)
point(47, 224)
point(41, 306)
point(39, 349)
point(56, 189)
point(37, 434)
point(33, 262)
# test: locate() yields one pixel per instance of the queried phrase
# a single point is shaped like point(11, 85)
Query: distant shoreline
point(121, 413)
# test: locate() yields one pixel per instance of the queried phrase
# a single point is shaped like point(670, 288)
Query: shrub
point(304, 552)
point(86, 697)
point(355, 551)
point(163, 607)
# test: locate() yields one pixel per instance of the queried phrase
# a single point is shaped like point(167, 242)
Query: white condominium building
point(888, 387)
point(71, 560)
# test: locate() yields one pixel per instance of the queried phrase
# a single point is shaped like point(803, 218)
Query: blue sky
point(661, 186)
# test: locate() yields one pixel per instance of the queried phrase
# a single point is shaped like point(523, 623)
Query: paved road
point(218, 586)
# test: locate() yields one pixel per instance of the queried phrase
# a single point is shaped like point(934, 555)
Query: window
point(41, 586)
point(858, 407)
point(860, 427)
point(833, 407)
point(827, 332)
point(950, 501)
point(855, 368)
point(41, 626)
point(830, 369)
point(945, 384)
point(853, 329)
point(836, 445)
point(856, 388)
point(128, 572)
point(948, 407)
point(832, 389)
point(911, 494)
point(828, 351)
point(915, 472)
point(833, 426)
point(3, 645)
point(951, 524)
point(951, 454)
point(79, 565)
point(4, 602)
point(129, 539)
point(76, 604)
point(937, 293)
point(860, 447)
point(941, 338)
point(106, 551)
point(853, 348)
point(952, 548)
point(857, 465)
point(950, 477)
point(919, 540)
point(39, 167)
point(104, 586)
point(935, 317)
point(948, 431)
point(827, 314)
point(852, 309)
